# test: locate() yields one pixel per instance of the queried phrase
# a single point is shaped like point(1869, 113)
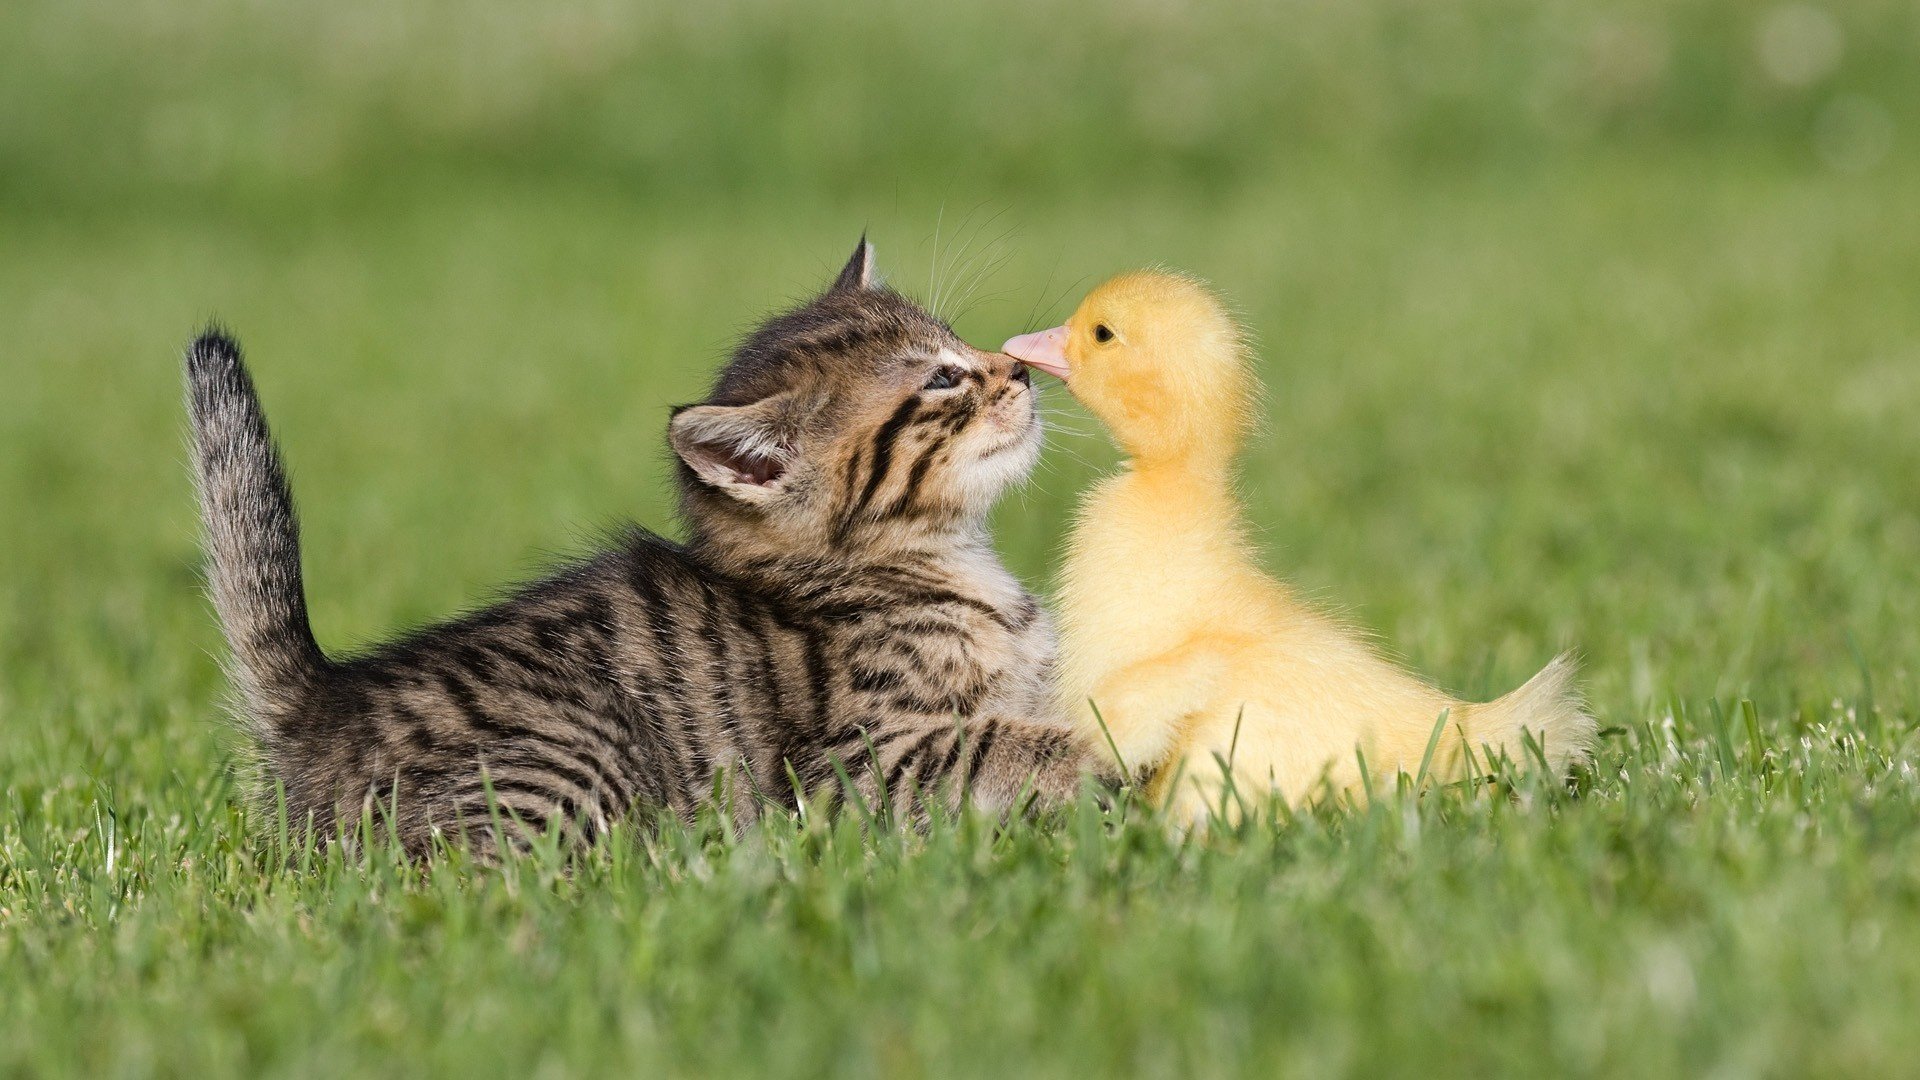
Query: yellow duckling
point(1191, 654)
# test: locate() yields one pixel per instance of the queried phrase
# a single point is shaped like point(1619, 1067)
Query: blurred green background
point(1584, 325)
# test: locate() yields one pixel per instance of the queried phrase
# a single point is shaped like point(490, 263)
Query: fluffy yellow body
point(1196, 660)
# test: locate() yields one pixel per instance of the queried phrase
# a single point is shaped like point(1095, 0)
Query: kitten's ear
point(858, 273)
point(736, 449)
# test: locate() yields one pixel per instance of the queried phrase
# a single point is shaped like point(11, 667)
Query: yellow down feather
point(1191, 654)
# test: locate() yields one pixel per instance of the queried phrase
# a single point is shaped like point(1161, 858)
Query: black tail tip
point(213, 351)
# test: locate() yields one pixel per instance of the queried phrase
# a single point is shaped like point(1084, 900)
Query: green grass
point(1582, 328)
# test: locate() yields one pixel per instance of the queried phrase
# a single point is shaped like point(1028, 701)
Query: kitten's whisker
point(944, 273)
point(1034, 311)
point(993, 265)
point(1055, 302)
point(933, 267)
point(958, 264)
point(968, 256)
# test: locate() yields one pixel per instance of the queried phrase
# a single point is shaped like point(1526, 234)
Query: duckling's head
point(1157, 357)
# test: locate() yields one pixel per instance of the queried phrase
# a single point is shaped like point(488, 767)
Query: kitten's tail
point(1548, 708)
point(252, 537)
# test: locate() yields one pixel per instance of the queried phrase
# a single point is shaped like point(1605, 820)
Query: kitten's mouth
point(1028, 435)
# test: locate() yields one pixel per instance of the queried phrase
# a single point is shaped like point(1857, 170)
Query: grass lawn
point(1628, 364)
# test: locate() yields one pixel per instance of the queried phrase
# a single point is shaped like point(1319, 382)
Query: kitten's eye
point(944, 379)
point(1102, 334)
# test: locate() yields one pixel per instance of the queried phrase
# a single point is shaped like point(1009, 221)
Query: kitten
point(836, 608)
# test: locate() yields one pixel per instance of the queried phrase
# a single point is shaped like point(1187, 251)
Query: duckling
point(1198, 664)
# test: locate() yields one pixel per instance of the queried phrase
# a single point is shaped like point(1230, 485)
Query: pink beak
point(1046, 350)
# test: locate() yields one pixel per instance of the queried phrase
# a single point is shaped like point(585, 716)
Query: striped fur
point(836, 611)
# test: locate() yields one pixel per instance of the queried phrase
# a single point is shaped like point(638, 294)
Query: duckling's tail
point(1548, 710)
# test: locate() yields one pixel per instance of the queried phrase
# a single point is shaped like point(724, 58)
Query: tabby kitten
point(836, 611)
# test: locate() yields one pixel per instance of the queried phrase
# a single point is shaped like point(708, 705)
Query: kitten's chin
point(999, 467)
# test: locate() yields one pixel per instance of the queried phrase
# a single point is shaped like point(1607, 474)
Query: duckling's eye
point(945, 378)
point(1102, 334)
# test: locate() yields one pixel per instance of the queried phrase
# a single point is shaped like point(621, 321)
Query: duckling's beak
point(1046, 350)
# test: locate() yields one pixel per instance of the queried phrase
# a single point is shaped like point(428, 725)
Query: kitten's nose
point(1020, 374)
